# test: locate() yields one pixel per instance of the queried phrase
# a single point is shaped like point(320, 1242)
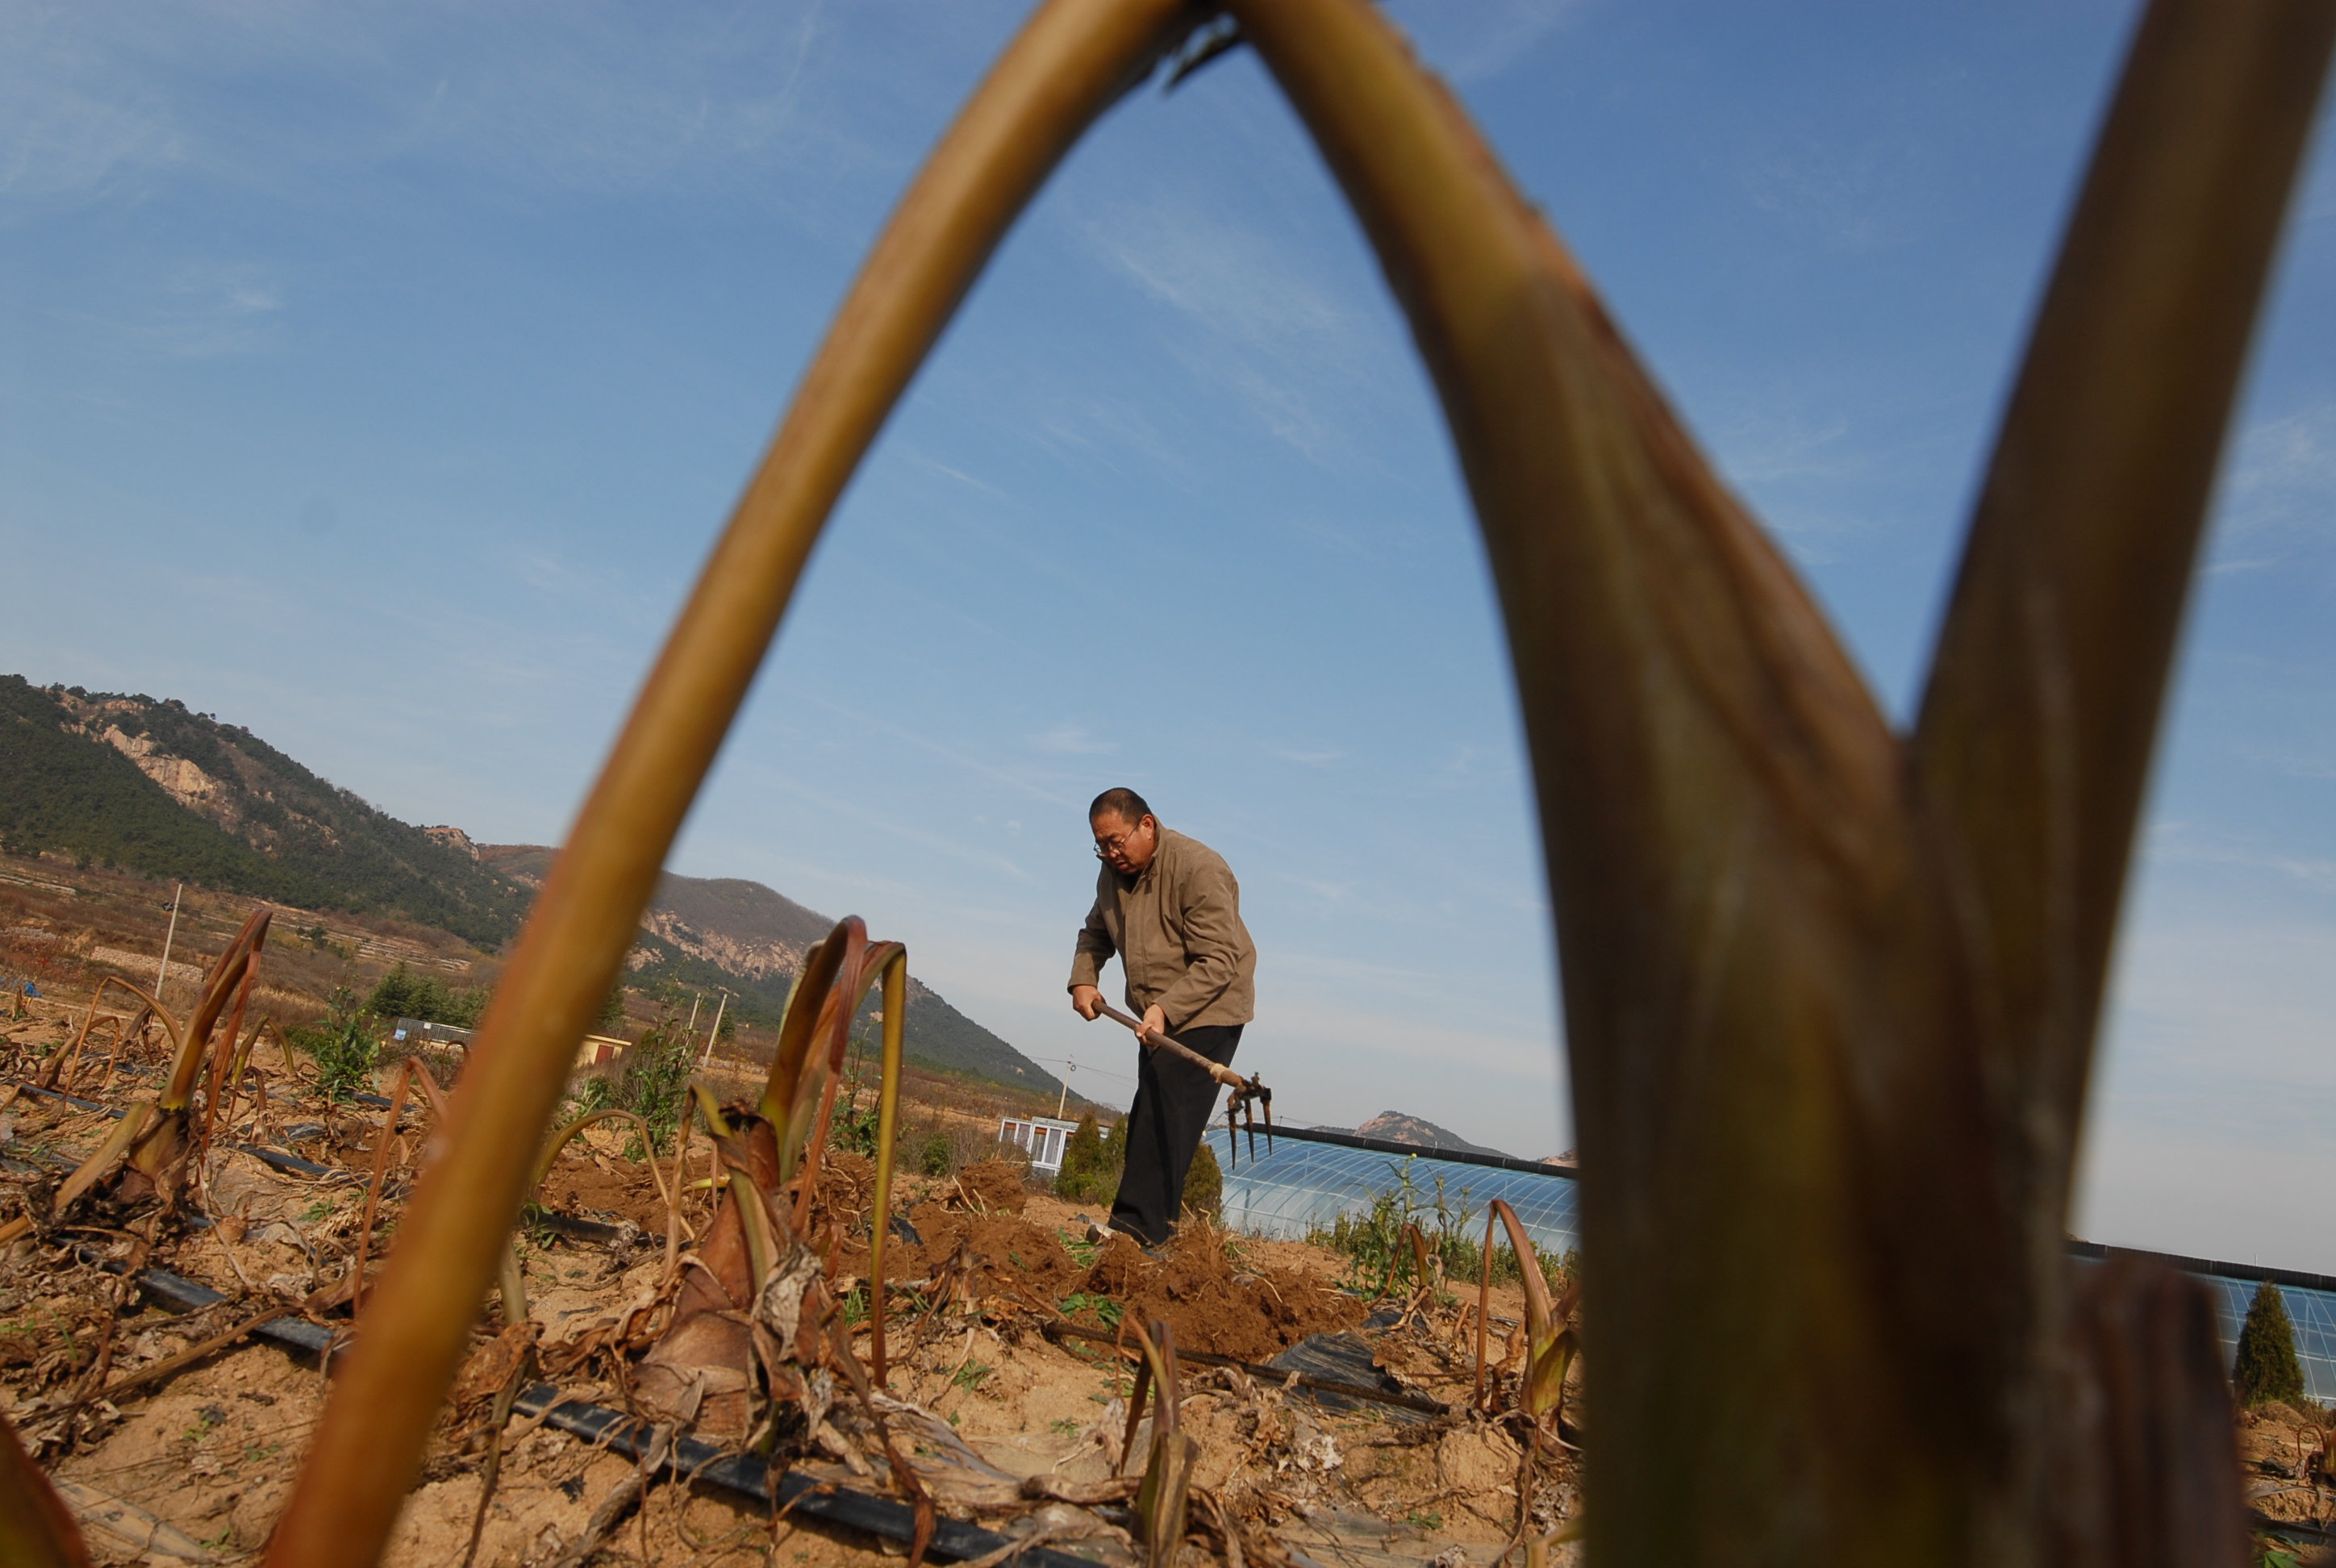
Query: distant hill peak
point(749, 938)
point(454, 839)
point(1397, 1127)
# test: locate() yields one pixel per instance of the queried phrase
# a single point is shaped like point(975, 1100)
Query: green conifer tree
point(1083, 1153)
point(397, 996)
point(2266, 1368)
point(1086, 1175)
point(611, 1016)
point(1204, 1188)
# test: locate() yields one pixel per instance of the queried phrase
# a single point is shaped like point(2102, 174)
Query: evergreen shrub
point(1092, 1163)
point(342, 1044)
point(1204, 1188)
point(402, 994)
point(936, 1155)
point(2266, 1368)
point(654, 1085)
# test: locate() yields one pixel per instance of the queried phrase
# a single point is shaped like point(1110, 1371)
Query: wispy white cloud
point(2281, 491)
point(567, 580)
point(95, 100)
point(956, 758)
point(1481, 39)
point(59, 140)
point(959, 474)
point(2240, 565)
point(2187, 843)
point(1110, 432)
point(926, 839)
point(1323, 891)
point(1233, 278)
point(1835, 193)
point(1767, 446)
point(548, 573)
point(614, 105)
point(1792, 469)
point(196, 310)
point(1272, 327)
point(1072, 740)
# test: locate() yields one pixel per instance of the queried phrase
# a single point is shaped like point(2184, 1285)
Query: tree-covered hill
point(148, 786)
point(709, 933)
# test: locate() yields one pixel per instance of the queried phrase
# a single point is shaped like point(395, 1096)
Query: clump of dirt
point(1215, 1305)
point(51, 1339)
point(1002, 1255)
point(579, 1186)
point(846, 1189)
point(1252, 1311)
point(596, 1186)
point(996, 1186)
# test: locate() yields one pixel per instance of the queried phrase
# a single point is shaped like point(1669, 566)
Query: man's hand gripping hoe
point(1241, 1107)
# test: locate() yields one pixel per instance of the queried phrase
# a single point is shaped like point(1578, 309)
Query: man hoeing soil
point(1168, 906)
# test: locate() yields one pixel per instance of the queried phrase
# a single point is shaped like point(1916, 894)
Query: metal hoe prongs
point(1249, 1095)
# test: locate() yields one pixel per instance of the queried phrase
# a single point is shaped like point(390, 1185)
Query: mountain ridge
point(1401, 1127)
point(147, 785)
point(718, 930)
point(150, 786)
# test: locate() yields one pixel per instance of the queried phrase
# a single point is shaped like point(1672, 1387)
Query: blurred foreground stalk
point(1830, 994)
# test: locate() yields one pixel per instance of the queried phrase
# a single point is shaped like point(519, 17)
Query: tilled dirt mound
point(596, 1186)
point(1004, 1254)
point(1215, 1305)
point(995, 1186)
point(578, 1186)
point(1212, 1303)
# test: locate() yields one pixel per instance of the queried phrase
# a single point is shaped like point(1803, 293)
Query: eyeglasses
point(1106, 848)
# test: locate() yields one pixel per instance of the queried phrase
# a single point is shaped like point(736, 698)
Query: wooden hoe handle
point(1222, 1074)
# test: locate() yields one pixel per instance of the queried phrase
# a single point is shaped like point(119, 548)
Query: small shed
point(599, 1048)
point(1044, 1136)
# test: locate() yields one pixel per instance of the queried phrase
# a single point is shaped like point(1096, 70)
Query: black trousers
point(1172, 1102)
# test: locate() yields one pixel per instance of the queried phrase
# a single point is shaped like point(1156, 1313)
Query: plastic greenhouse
point(1303, 1185)
point(1308, 1180)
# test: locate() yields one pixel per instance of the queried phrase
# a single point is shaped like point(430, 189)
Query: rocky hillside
point(148, 786)
point(726, 931)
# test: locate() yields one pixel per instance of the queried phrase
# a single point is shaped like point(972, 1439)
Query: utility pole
point(1064, 1098)
point(714, 1033)
point(162, 970)
point(691, 1027)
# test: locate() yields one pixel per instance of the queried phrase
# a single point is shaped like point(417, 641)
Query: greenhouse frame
point(1305, 1180)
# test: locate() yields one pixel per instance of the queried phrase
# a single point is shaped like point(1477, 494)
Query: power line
point(1079, 1067)
point(1070, 1068)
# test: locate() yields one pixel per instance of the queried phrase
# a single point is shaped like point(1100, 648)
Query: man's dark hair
point(1123, 803)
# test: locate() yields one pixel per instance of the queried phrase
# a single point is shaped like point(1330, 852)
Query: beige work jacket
point(1177, 928)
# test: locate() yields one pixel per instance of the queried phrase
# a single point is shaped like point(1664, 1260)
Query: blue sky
point(376, 376)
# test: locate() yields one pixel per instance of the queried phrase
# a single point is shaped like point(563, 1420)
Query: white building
point(1044, 1136)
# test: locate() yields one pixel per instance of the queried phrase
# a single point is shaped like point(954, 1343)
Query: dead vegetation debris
point(1000, 1426)
point(173, 1434)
